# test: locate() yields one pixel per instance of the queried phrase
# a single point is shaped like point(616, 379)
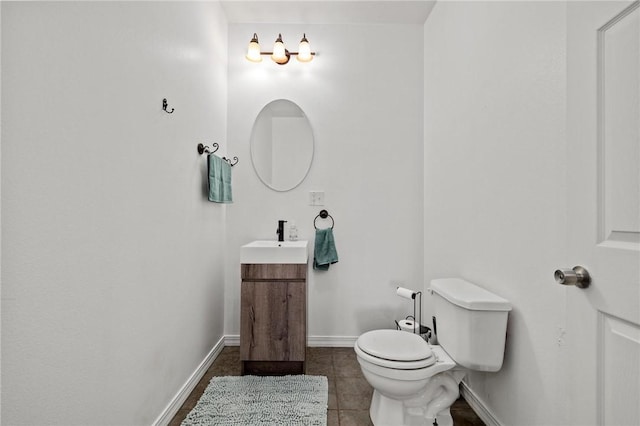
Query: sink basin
point(263, 251)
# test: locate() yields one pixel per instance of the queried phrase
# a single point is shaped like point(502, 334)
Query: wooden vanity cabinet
point(273, 324)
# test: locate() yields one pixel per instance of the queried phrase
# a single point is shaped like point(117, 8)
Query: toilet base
point(431, 404)
point(386, 411)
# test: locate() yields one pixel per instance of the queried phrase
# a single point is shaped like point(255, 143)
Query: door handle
point(577, 276)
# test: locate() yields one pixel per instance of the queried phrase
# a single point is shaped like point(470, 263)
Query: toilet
point(415, 382)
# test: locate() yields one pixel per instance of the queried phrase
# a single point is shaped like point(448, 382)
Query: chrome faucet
point(280, 230)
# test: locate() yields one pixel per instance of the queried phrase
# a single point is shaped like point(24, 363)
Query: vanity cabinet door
point(273, 321)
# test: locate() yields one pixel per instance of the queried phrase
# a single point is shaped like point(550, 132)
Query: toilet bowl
point(418, 386)
point(414, 382)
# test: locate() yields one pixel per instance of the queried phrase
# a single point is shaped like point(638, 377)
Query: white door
point(603, 195)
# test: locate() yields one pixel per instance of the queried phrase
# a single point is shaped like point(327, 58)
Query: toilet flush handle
point(577, 276)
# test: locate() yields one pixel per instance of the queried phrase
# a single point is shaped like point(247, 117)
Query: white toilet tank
point(471, 323)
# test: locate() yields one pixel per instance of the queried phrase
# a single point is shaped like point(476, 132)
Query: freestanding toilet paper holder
point(410, 294)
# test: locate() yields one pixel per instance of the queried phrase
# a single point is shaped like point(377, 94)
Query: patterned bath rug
point(257, 400)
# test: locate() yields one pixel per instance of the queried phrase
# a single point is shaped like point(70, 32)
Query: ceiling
point(327, 11)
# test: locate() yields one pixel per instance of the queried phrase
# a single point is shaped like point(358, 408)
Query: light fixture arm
point(290, 53)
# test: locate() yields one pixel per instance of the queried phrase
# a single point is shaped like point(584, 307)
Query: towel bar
point(203, 149)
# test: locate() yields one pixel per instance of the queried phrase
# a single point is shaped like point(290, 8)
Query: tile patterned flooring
point(349, 392)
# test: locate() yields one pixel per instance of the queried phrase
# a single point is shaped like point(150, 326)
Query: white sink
point(262, 251)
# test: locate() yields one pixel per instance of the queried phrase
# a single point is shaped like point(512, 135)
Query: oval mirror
point(281, 145)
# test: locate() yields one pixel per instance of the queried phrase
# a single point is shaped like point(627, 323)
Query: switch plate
point(316, 198)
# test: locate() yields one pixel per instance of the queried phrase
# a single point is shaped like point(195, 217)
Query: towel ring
point(323, 215)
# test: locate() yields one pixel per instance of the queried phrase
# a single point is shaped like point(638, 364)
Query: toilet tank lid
point(468, 295)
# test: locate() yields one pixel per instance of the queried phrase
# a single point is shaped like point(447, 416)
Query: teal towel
point(219, 180)
point(324, 249)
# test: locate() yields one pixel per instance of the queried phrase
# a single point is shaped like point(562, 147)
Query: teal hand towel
point(324, 249)
point(219, 180)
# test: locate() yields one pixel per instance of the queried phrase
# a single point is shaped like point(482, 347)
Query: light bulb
point(304, 50)
point(253, 51)
point(279, 55)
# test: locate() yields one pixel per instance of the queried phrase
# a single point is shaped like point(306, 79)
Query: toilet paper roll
point(409, 325)
point(406, 293)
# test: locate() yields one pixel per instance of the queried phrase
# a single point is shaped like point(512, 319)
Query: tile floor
point(349, 392)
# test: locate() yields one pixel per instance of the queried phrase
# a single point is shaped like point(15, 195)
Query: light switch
point(316, 198)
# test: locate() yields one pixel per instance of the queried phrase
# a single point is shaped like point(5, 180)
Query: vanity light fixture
point(280, 54)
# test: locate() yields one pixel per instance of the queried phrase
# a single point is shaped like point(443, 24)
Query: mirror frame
point(252, 141)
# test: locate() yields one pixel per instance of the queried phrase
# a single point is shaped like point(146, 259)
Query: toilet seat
point(395, 349)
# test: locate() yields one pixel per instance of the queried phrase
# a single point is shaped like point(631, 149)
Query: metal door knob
point(577, 276)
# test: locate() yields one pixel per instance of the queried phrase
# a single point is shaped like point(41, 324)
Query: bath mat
point(256, 400)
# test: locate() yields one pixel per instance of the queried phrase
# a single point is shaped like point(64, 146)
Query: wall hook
point(165, 105)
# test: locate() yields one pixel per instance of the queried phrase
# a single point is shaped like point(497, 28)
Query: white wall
point(112, 278)
point(112, 259)
point(494, 184)
point(363, 96)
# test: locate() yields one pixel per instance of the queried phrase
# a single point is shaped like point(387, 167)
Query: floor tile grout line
point(335, 384)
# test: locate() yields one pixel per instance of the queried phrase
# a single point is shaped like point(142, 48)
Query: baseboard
point(331, 341)
point(478, 406)
point(232, 340)
point(176, 402)
point(312, 341)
